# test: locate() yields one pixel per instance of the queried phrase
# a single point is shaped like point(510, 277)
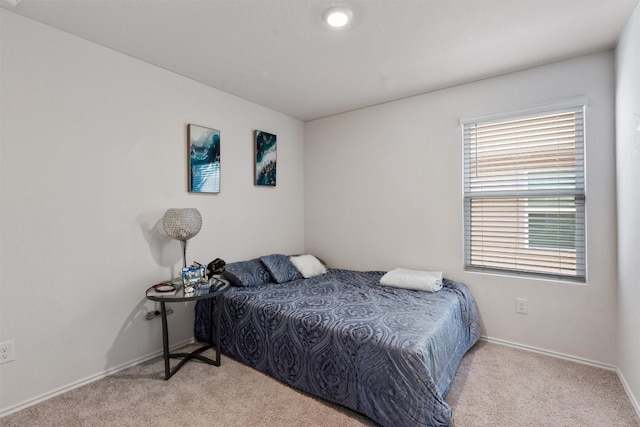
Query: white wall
point(93, 151)
point(383, 189)
point(628, 177)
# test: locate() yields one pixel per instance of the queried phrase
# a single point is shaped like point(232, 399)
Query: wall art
point(204, 159)
point(265, 150)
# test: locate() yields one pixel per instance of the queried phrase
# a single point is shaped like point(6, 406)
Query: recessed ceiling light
point(337, 16)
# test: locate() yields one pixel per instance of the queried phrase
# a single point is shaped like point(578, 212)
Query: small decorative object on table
point(163, 289)
point(215, 267)
point(193, 277)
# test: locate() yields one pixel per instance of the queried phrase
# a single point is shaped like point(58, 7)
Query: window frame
point(576, 195)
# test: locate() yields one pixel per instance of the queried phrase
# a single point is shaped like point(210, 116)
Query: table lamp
point(182, 224)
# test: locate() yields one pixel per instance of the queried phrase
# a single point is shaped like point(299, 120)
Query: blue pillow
point(247, 273)
point(281, 268)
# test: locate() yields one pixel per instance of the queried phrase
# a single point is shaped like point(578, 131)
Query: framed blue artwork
point(204, 159)
point(265, 149)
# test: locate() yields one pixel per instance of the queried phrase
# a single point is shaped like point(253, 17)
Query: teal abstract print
point(265, 171)
point(204, 159)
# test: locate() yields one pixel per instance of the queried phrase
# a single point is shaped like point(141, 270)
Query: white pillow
point(430, 281)
point(308, 265)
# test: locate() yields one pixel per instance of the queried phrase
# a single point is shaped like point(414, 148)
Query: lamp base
point(184, 253)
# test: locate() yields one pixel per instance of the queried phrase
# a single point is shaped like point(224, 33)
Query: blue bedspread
point(388, 353)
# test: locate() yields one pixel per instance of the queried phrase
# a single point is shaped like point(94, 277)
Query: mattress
point(388, 353)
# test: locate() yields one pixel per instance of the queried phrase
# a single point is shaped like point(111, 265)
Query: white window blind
point(524, 194)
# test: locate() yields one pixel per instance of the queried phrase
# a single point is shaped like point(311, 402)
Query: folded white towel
point(430, 281)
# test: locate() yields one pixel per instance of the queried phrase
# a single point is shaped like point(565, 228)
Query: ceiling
point(279, 53)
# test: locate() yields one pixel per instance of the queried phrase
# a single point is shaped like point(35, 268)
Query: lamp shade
point(182, 224)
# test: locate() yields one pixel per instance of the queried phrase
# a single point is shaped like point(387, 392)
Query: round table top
point(217, 287)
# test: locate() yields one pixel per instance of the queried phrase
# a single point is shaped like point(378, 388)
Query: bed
point(388, 353)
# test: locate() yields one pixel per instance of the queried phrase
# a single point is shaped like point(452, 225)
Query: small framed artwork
point(204, 159)
point(266, 155)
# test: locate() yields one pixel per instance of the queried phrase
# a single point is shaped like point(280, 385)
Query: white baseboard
point(627, 389)
point(100, 375)
point(550, 353)
point(88, 380)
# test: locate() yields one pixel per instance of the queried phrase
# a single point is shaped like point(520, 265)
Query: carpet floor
point(495, 386)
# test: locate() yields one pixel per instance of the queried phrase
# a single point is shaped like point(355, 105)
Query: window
point(524, 193)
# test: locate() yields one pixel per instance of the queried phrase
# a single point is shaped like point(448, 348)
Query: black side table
point(214, 291)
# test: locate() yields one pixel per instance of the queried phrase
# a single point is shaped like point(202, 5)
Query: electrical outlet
point(7, 352)
point(521, 306)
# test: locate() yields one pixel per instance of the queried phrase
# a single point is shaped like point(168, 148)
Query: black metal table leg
point(165, 341)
